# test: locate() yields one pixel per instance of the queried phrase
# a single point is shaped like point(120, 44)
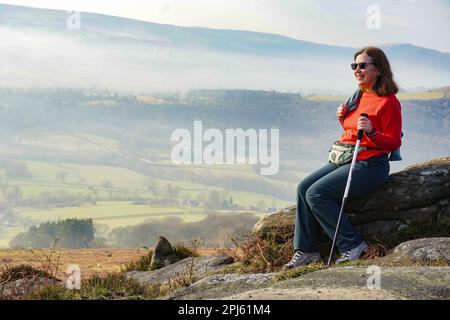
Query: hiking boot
point(301, 258)
point(353, 254)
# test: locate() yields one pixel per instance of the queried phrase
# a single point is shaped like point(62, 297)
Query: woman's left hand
point(364, 124)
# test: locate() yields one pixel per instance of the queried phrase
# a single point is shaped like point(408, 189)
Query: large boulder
point(422, 251)
point(355, 283)
point(349, 283)
point(417, 196)
point(163, 255)
point(195, 267)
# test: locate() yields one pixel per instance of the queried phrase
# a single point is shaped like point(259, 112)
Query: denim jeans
point(319, 199)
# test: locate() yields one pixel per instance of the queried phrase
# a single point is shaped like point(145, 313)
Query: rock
point(19, 288)
point(417, 283)
point(421, 251)
point(223, 285)
point(192, 266)
point(412, 282)
point(163, 255)
point(419, 193)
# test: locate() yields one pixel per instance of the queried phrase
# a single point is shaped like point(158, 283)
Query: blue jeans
point(319, 199)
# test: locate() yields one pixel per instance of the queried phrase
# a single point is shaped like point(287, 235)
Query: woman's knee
point(302, 187)
point(312, 196)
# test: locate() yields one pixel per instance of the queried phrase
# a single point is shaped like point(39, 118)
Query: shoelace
point(346, 255)
point(296, 256)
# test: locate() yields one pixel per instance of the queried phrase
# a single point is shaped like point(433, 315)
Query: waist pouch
point(342, 153)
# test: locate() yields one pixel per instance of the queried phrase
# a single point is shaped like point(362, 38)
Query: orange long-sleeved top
point(385, 114)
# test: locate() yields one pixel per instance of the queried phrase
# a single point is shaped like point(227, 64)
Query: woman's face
point(365, 77)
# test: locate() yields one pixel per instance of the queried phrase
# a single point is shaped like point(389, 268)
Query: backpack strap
point(353, 101)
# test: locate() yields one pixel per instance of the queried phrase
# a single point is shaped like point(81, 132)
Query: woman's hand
point(341, 111)
point(364, 124)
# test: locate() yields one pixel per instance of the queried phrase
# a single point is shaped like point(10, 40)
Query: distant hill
point(39, 50)
point(445, 90)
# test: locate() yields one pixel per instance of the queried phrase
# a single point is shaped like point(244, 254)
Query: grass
point(110, 213)
point(47, 171)
point(90, 261)
point(425, 95)
point(7, 233)
point(81, 177)
point(141, 264)
point(257, 255)
point(75, 141)
point(113, 286)
point(41, 283)
point(300, 271)
point(114, 213)
point(127, 183)
point(13, 273)
point(116, 286)
point(102, 209)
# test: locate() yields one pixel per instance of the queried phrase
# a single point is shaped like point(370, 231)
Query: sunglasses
point(361, 65)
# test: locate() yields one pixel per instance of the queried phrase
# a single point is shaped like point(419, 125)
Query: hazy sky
point(421, 22)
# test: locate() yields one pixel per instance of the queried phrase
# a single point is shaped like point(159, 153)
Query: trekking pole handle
point(361, 132)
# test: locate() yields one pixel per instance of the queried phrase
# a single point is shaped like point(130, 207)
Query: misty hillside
point(38, 49)
point(142, 125)
point(67, 154)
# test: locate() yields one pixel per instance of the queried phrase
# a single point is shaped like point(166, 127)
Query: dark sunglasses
point(361, 65)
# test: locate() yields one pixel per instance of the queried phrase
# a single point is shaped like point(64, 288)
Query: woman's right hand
point(341, 111)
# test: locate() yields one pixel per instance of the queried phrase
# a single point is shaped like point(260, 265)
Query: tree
point(61, 175)
point(153, 187)
point(261, 204)
point(108, 186)
point(14, 194)
point(118, 236)
point(15, 169)
point(172, 192)
point(213, 200)
point(69, 233)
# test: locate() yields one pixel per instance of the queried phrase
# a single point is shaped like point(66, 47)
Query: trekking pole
point(347, 188)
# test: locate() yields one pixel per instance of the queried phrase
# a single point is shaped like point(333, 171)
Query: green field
point(81, 180)
point(7, 233)
point(75, 142)
point(110, 213)
point(425, 95)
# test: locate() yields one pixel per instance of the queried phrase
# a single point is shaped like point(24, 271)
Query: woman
point(319, 195)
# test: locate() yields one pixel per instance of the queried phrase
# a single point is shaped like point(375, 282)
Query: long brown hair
point(385, 84)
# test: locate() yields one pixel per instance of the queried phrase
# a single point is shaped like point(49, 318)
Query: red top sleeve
point(388, 136)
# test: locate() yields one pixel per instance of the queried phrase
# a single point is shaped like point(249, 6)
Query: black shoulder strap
point(352, 102)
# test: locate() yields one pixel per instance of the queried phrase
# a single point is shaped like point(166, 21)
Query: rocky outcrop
point(23, 287)
point(355, 283)
point(163, 255)
point(222, 286)
point(423, 251)
point(191, 267)
point(420, 193)
point(406, 273)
